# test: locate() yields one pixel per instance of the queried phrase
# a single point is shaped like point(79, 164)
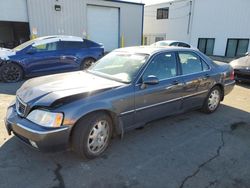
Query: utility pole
point(189, 17)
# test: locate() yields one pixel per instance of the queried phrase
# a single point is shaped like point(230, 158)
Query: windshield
point(119, 66)
point(24, 45)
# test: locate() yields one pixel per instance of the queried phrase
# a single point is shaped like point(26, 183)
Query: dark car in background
point(48, 55)
point(242, 68)
point(123, 90)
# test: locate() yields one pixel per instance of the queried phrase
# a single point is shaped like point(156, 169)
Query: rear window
point(181, 44)
point(89, 43)
point(72, 45)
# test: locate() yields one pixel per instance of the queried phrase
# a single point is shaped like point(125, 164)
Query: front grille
point(20, 107)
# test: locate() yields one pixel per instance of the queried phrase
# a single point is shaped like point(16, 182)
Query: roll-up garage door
point(103, 26)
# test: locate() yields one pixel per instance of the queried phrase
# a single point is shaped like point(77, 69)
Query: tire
point(11, 72)
point(89, 142)
point(213, 100)
point(86, 63)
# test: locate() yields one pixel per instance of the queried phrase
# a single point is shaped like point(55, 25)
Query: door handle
point(207, 76)
point(175, 82)
point(62, 57)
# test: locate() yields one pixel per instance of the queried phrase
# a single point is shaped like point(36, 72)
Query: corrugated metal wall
point(72, 19)
point(46, 21)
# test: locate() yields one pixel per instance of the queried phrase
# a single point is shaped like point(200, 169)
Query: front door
point(44, 59)
point(162, 99)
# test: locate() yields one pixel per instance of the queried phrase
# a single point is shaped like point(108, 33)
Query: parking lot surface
point(189, 150)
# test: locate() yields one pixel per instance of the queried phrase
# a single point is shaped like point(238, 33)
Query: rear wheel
point(86, 63)
point(212, 101)
point(11, 72)
point(92, 135)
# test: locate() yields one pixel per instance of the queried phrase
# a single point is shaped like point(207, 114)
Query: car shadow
point(10, 88)
point(141, 159)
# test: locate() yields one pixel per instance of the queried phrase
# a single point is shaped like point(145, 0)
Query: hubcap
point(88, 64)
point(98, 137)
point(11, 73)
point(213, 100)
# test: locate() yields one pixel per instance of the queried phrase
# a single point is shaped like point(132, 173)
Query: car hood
point(243, 62)
point(47, 89)
point(6, 53)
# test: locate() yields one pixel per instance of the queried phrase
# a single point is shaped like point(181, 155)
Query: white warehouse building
point(113, 23)
point(215, 27)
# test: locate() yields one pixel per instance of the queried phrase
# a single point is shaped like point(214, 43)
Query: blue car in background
point(48, 55)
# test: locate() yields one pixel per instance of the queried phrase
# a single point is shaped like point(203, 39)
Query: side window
point(205, 66)
point(46, 47)
point(181, 44)
point(174, 44)
point(67, 45)
point(163, 66)
point(190, 63)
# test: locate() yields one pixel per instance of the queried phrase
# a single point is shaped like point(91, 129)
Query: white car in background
point(172, 43)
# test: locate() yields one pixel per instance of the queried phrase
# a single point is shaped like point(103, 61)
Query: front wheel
point(92, 135)
point(11, 72)
point(212, 101)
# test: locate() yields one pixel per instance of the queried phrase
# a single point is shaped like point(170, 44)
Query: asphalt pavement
point(193, 150)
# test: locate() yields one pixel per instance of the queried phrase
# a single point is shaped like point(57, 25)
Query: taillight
point(232, 75)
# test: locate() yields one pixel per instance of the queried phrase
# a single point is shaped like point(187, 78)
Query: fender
point(74, 115)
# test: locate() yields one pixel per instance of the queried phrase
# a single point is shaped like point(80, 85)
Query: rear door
point(71, 53)
point(164, 98)
point(197, 79)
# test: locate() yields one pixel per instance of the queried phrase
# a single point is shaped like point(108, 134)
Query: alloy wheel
point(11, 73)
point(213, 100)
point(88, 63)
point(98, 137)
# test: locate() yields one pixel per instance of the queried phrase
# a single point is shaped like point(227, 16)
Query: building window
point(206, 45)
point(237, 47)
point(162, 13)
point(159, 39)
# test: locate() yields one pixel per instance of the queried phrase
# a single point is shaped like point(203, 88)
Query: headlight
point(46, 118)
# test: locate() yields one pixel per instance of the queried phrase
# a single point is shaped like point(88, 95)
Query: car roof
point(60, 37)
point(55, 38)
point(150, 50)
point(171, 41)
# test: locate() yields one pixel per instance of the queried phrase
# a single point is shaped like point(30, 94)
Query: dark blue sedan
point(48, 55)
point(122, 91)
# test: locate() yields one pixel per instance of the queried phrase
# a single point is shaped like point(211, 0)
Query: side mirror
point(247, 53)
point(150, 80)
point(30, 51)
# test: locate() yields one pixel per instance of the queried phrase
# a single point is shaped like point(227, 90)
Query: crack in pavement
point(59, 176)
point(206, 162)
